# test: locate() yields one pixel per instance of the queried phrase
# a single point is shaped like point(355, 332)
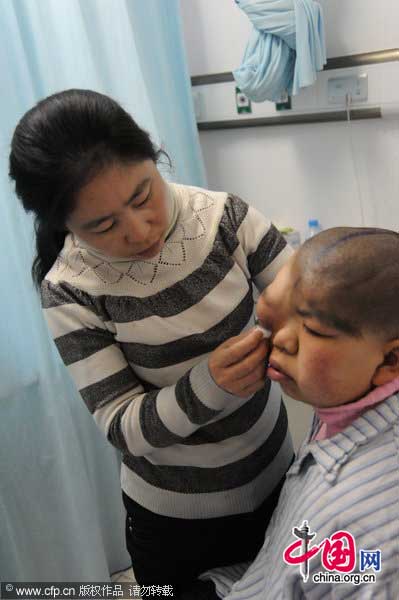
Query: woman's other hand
point(239, 364)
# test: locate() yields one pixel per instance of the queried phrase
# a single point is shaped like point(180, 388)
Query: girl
point(333, 313)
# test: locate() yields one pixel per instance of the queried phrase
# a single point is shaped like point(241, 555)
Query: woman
point(147, 289)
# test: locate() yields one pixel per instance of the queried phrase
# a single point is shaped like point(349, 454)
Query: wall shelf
point(320, 117)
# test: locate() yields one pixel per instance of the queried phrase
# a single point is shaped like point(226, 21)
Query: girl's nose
point(286, 340)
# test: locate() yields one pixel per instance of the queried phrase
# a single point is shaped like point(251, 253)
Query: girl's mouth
point(275, 373)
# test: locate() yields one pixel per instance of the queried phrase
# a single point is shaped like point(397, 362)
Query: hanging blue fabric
point(285, 50)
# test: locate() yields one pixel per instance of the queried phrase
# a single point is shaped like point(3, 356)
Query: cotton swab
point(266, 332)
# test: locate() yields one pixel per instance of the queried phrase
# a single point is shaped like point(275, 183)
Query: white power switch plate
point(355, 85)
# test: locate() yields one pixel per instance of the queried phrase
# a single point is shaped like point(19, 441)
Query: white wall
point(216, 31)
point(342, 174)
point(339, 173)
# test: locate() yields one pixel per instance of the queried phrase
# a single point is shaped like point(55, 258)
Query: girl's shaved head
point(353, 273)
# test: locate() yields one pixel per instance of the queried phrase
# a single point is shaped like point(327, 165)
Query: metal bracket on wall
point(338, 62)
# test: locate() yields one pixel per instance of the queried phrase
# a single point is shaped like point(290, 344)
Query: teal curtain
point(61, 515)
point(285, 50)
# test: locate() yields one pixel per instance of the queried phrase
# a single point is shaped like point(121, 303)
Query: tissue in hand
point(266, 332)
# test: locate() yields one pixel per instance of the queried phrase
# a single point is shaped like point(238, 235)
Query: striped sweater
point(347, 482)
point(135, 336)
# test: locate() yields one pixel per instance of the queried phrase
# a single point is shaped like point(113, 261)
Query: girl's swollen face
point(122, 211)
point(313, 359)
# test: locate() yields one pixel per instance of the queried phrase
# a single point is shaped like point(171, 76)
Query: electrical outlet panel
point(354, 85)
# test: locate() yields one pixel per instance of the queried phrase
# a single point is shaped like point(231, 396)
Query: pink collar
point(335, 419)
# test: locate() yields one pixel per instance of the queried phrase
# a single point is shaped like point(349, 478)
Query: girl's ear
point(389, 368)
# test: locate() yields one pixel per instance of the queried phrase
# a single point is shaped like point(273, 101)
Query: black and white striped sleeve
point(134, 417)
point(264, 246)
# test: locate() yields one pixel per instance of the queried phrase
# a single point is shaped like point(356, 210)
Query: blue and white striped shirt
point(348, 482)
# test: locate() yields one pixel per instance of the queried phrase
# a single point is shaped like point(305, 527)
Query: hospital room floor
point(123, 576)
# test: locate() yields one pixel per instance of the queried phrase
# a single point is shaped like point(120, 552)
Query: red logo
point(338, 551)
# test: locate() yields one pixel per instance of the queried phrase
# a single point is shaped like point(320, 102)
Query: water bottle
point(313, 228)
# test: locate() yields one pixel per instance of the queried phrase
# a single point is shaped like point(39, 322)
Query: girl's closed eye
point(316, 333)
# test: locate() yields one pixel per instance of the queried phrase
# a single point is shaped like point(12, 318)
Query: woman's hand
point(239, 364)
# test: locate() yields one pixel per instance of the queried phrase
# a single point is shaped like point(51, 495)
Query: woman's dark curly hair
point(58, 146)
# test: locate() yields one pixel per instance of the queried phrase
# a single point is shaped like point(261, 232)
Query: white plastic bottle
point(313, 228)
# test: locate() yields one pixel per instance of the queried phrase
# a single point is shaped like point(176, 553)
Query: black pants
point(170, 551)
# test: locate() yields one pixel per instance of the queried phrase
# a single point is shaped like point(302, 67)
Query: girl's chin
point(288, 386)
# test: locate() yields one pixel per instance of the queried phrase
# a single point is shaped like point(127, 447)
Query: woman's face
point(122, 211)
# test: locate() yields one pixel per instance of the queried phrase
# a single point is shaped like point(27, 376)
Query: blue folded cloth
point(285, 50)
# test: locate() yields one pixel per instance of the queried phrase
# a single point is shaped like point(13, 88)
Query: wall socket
point(243, 103)
point(355, 85)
